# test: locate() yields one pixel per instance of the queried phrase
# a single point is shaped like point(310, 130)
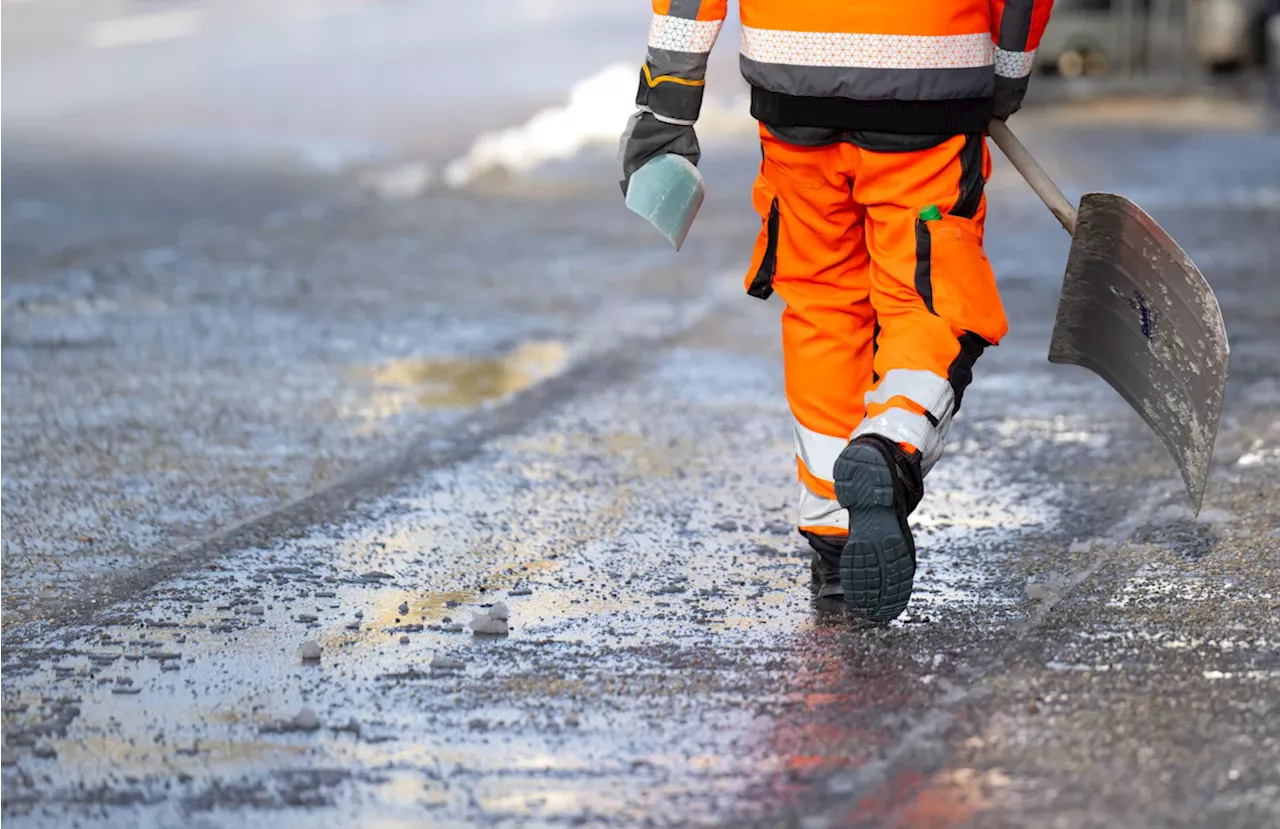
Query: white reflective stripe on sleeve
point(818, 452)
point(1014, 64)
point(868, 51)
point(676, 34)
point(818, 512)
point(933, 393)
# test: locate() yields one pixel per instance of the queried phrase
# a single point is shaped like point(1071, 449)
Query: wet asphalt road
point(248, 407)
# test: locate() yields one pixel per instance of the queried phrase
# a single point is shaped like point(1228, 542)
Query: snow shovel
point(1137, 312)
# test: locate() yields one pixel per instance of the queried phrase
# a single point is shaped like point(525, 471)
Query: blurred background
point(338, 83)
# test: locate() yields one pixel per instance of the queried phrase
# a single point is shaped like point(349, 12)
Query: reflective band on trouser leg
point(817, 453)
point(820, 515)
point(927, 390)
point(1014, 64)
point(905, 426)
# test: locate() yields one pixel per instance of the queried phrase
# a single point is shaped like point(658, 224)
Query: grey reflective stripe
point(870, 84)
point(1015, 25)
point(816, 511)
point(691, 66)
point(678, 34)
point(688, 9)
point(673, 103)
point(868, 51)
point(818, 452)
point(1014, 64)
point(924, 388)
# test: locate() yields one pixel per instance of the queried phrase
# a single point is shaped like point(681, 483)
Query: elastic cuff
point(673, 100)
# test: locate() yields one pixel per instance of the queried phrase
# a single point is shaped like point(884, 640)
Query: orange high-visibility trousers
point(889, 296)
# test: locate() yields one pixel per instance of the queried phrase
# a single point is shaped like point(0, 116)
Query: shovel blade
point(667, 192)
point(1137, 312)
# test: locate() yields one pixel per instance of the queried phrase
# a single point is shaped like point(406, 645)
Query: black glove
point(647, 138)
point(1008, 96)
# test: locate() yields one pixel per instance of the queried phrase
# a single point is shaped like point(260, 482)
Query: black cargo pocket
point(924, 264)
point(762, 283)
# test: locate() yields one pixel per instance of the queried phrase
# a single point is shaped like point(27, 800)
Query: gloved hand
point(1008, 96)
point(646, 138)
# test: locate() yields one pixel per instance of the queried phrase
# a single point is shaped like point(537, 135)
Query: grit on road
point(250, 405)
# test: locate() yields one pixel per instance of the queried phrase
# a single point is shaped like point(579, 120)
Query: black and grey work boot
point(880, 485)
point(825, 565)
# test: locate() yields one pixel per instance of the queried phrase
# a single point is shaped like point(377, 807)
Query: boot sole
point(876, 565)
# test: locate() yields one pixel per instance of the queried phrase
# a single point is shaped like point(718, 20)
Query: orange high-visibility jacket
point(926, 66)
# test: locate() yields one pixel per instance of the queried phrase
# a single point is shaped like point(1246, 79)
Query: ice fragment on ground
point(309, 651)
point(254, 610)
point(403, 608)
point(499, 611)
point(404, 640)
point(305, 720)
point(483, 624)
point(441, 662)
point(520, 591)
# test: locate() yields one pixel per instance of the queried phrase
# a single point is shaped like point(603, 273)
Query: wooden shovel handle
point(1035, 175)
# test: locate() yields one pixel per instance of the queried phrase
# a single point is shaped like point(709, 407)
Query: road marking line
point(145, 28)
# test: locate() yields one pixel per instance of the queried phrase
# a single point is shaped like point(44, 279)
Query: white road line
point(145, 28)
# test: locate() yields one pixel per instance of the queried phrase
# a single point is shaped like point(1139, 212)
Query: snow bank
point(594, 115)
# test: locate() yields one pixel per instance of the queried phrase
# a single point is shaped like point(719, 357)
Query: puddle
point(455, 382)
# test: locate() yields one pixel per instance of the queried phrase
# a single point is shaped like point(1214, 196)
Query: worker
point(870, 194)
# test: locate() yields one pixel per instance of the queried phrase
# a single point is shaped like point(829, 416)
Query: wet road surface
point(253, 413)
point(598, 440)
